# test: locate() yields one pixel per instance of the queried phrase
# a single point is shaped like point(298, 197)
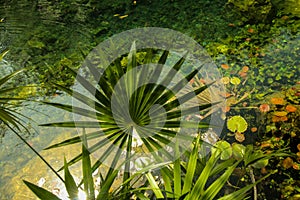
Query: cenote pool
point(255, 46)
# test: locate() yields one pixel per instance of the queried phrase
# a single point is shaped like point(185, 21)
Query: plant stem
point(253, 181)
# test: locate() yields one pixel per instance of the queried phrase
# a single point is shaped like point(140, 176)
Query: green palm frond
point(8, 115)
point(137, 101)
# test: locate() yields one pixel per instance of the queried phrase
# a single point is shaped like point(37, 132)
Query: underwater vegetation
point(255, 45)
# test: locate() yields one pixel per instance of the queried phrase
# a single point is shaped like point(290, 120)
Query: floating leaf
point(253, 129)
point(264, 108)
point(279, 119)
point(237, 123)
point(238, 151)
point(287, 163)
point(280, 113)
point(277, 101)
point(225, 66)
point(225, 148)
point(245, 69)
point(225, 80)
point(290, 108)
point(235, 81)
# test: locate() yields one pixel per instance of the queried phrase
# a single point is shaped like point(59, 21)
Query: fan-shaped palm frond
point(138, 108)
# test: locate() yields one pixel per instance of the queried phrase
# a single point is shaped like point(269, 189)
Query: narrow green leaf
point(191, 167)
point(155, 188)
point(41, 192)
point(115, 137)
point(167, 182)
point(177, 173)
point(106, 185)
point(176, 88)
point(9, 76)
point(93, 90)
point(185, 98)
point(241, 193)
point(70, 184)
point(77, 139)
point(87, 169)
point(141, 196)
point(100, 107)
point(3, 53)
point(198, 188)
point(217, 185)
point(82, 111)
point(82, 124)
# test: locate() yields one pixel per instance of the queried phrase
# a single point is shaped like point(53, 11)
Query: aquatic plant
point(264, 108)
point(280, 130)
point(252, 10)
point(158, 112)
point(188, 179)
point(290, 108)
point(287, 7)
point(90, 190)
point(237, 123)
point(235, 81)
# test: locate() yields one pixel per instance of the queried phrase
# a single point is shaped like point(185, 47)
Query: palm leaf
point(41, 192)
point(87, 170)
point(70, 184)
point(142, 89)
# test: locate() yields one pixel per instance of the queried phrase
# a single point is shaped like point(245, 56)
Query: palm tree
point(138, 107)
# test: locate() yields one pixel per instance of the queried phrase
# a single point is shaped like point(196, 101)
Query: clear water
point(25, 25)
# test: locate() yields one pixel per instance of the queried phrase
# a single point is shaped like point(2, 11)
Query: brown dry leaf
point(290, 108)
point(240, 137)
point(287, 163)
point(277, 101)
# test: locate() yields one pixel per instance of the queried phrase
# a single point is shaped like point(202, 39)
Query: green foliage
point(195, 172)
point(288, 6)
point(252, 10)
point(70, 184)
point(237, 123)
point(8, 115)
point(40, 192)
point(142, 100)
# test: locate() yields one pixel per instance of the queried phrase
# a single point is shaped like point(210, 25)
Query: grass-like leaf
point(87, 169)
point(70, 184)
point(41, 192)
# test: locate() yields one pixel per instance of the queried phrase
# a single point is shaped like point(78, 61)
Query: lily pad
point(280, 113)
point(237, 123)
point(235, 81)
